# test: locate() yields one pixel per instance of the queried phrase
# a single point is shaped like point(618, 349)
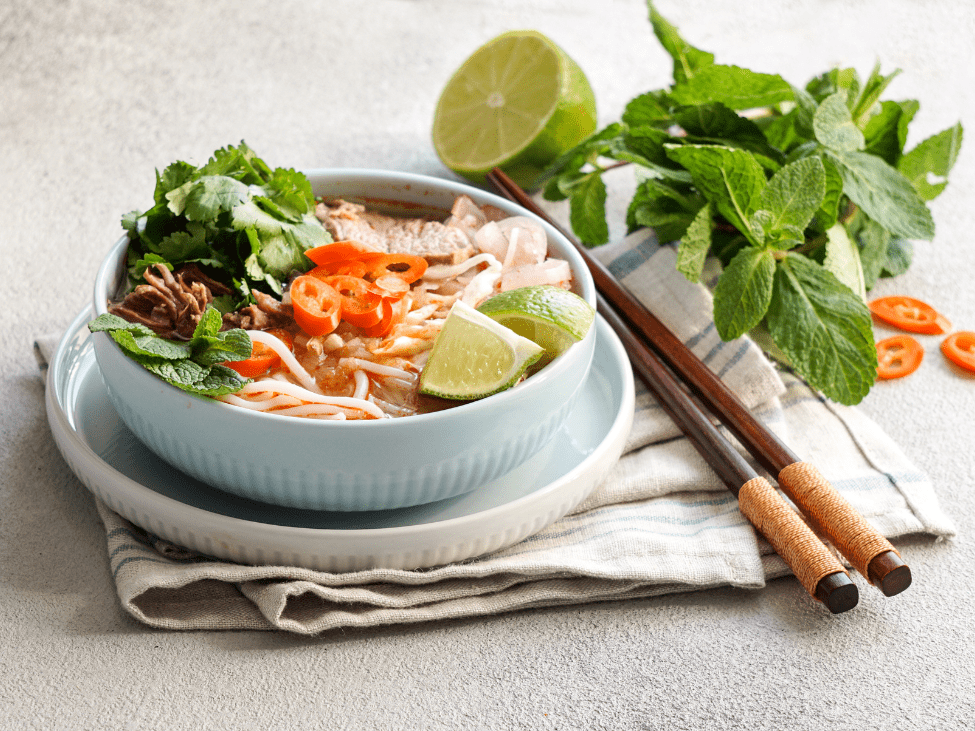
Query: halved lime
point(517, 103)
point(553, 317)
point(474, 356)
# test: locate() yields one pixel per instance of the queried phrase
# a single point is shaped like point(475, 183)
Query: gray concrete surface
point(94, 94)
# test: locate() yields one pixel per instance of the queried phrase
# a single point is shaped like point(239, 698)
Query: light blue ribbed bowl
point(350, 466)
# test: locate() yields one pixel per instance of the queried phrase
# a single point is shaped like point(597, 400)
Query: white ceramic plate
point(115, 466)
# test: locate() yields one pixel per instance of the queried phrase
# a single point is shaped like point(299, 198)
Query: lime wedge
point(474, 356)
point(518, 103)
point(553, 317)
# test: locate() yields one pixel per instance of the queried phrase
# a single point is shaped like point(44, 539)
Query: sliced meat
point(434, 241)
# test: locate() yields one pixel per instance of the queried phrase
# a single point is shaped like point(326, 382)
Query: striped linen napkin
point(661, 522)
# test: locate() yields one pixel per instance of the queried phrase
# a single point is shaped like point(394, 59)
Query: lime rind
point(552, 317)
point(474, 356)
point(518, 102)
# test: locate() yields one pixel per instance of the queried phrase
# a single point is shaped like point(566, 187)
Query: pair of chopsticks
point(669, 369)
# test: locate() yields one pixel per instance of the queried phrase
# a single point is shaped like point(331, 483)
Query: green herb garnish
point(806, 199)
point(247, 224)
point(193, 365)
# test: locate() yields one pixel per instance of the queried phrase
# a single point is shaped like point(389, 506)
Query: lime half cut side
point(475, 356)
point(550, 316)
point(517, 103)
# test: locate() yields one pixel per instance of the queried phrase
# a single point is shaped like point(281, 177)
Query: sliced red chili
point(407, 267)
point(959, 348)
point(317, 306)
point(910, 314)
point(342, 251)
point(262, 360)
point(898, 356)
point(361, 306)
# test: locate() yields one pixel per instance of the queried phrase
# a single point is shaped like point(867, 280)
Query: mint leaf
point(649, 109)
point(151, 346)
point(695, 244)
point(662, 207)
point(730, 179)
point(900, 252)
point(209, 324)
point(828, 212)
point(834, 126)
point(565, 171)
point(886, 132)
point(843, 260)
point(200, 380)
point(874, 242)
point(587, 210)
point(792, 196)
point(687, 59)
point(743, 292)
point(734, 87)
point(865, 105)
point(715, 123)
point(934, 157)
point(823, 328)
point(194, 366)
point(230, 345)
point(884, 194)
point(108, 322)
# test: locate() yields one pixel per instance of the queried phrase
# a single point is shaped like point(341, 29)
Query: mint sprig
point(806, 194)
point(247, 224)
point(194, 366)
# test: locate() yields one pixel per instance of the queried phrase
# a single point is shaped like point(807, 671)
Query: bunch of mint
point(805, 195)
point(248, 225)
point(196, 365)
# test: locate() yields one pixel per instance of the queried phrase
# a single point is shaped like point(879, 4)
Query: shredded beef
point(267, 313)
point(170, 303)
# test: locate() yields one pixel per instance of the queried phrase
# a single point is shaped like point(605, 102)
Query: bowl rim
point(112, 267)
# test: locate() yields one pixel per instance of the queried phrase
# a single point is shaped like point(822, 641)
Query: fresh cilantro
point(196, 365)
point(806, 194)
point(247, 224)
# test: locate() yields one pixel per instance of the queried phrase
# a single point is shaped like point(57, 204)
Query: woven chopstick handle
point(791, 538)
point(839, 521)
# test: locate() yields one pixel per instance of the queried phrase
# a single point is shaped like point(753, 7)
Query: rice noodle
point(379, 368)
point(361, 384)
point(310, 397)
point(287, 358)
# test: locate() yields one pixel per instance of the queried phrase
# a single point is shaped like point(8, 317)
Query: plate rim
point(68, 437)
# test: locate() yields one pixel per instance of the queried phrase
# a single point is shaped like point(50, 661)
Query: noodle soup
point(353, 464)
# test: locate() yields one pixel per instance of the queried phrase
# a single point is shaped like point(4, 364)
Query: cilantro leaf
point(823, 328)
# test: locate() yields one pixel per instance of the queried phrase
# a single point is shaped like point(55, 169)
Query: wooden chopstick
point(825, 509)
point(812, 563)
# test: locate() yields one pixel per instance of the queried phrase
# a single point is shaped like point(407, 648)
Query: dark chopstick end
point(838, 592)
point(889, 573)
